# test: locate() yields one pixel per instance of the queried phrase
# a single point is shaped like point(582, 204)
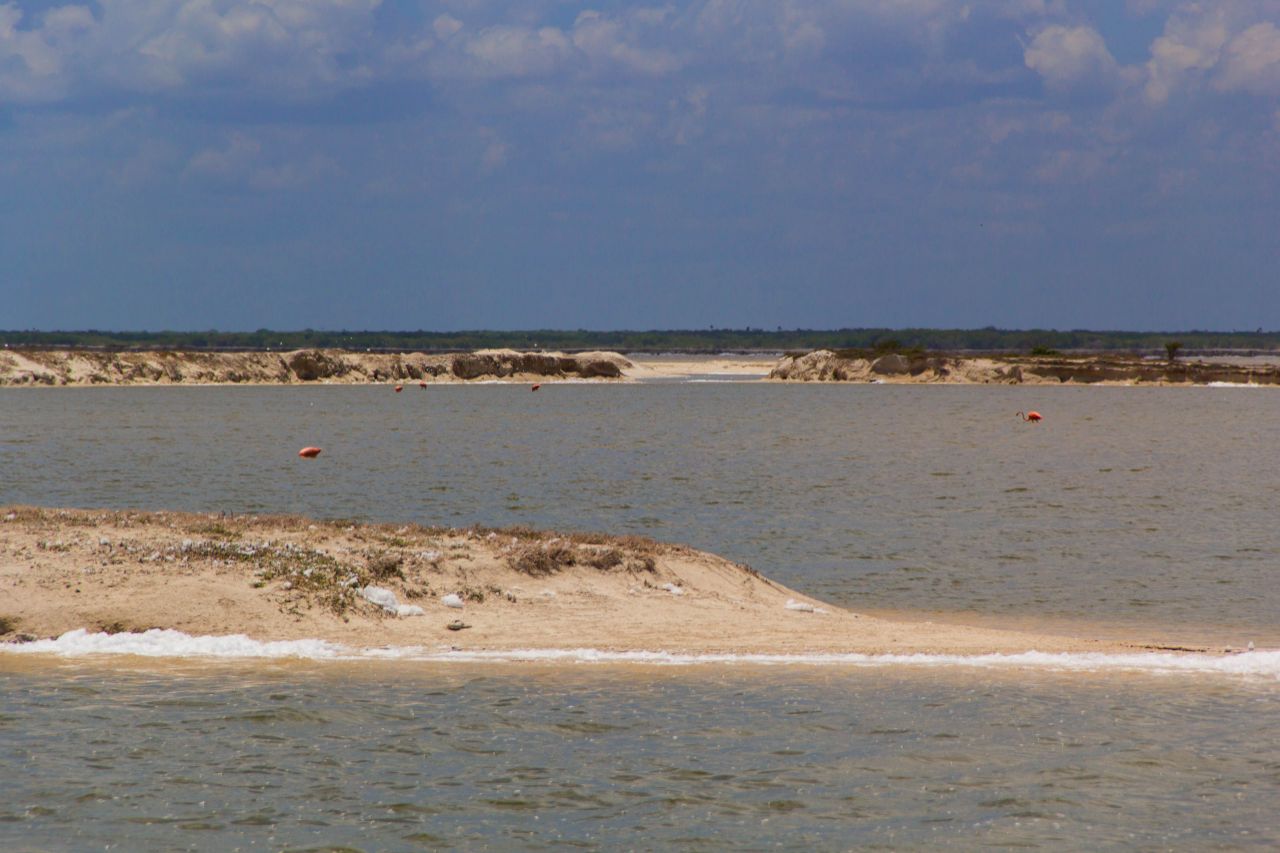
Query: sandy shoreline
point(288, 578)
point(85, 368)
point(89, 369)
point(926, 368)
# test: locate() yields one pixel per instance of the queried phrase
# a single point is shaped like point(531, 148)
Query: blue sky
point(195, 164)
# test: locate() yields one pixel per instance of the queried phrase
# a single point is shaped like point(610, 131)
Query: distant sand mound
point(917, 367)
point(19, 366)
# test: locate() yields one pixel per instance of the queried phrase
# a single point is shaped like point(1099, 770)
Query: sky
point(525, 164)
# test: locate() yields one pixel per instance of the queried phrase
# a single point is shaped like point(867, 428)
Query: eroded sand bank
point(284, 578)
point(39, 367)
point(1095, 369)
point(62, 368)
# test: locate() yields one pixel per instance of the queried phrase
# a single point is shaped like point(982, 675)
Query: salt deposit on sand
point(287, 578)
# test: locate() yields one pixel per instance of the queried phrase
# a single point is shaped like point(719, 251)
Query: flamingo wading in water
point(1033, 417)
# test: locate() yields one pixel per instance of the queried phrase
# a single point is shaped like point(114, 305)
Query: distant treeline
point(697, 341)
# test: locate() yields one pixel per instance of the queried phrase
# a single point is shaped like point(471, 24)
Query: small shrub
point(538, 562)
point(605, 560)
point(642, 563)
point(383, 565)
point(215, 530)
point(313, 574)
point(1046, 351)
point(8, 625)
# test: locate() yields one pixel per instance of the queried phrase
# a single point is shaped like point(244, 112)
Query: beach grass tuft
point(384, 564)
point(539, 561)
point(312, 574)
point(216, 530)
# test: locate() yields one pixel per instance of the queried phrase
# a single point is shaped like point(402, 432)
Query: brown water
point(1146, 507)
point(1126, 509)
point(307, 756)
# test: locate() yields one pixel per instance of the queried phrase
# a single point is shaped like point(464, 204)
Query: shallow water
point(505, 757)
point(1151, 508)
point(1147, 507)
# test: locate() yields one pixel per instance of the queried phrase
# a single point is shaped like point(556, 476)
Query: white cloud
point(235, 160)
point(608, 41)
point(67, 22)
point(615, 129)
point(294, 174)
point(631, 42)
point(282, 46)
point(511, 51)
point(270, 47)
point(688, 115)
point(242, 161)
point(1068, 56)
point(1251, 61)
point(446, 25)
point(1191, 43)
point(1228, 47)
point(33, 61)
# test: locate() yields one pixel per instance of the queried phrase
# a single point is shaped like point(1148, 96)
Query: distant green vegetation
point(990, 339)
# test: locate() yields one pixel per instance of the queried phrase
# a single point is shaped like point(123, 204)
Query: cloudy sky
point(446, 164)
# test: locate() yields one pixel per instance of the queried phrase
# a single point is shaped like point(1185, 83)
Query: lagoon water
point(1140, 513)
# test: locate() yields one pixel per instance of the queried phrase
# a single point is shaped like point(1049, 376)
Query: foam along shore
point(479, 591)
point(1097, 369)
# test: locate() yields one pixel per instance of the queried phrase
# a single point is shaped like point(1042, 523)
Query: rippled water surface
point(1126, 506)
point(1152, 508)
point(614, 757)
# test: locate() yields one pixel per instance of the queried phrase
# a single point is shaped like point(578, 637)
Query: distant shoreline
point(710, 340)
point(61, 368)
point(20, 367)
point(942, 368)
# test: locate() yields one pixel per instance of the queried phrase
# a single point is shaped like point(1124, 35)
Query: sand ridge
point(285, 578)
point(78, 368)
point(941, 368)
point(51, 367)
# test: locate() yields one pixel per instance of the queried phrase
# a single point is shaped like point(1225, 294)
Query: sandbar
point(375, 585)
